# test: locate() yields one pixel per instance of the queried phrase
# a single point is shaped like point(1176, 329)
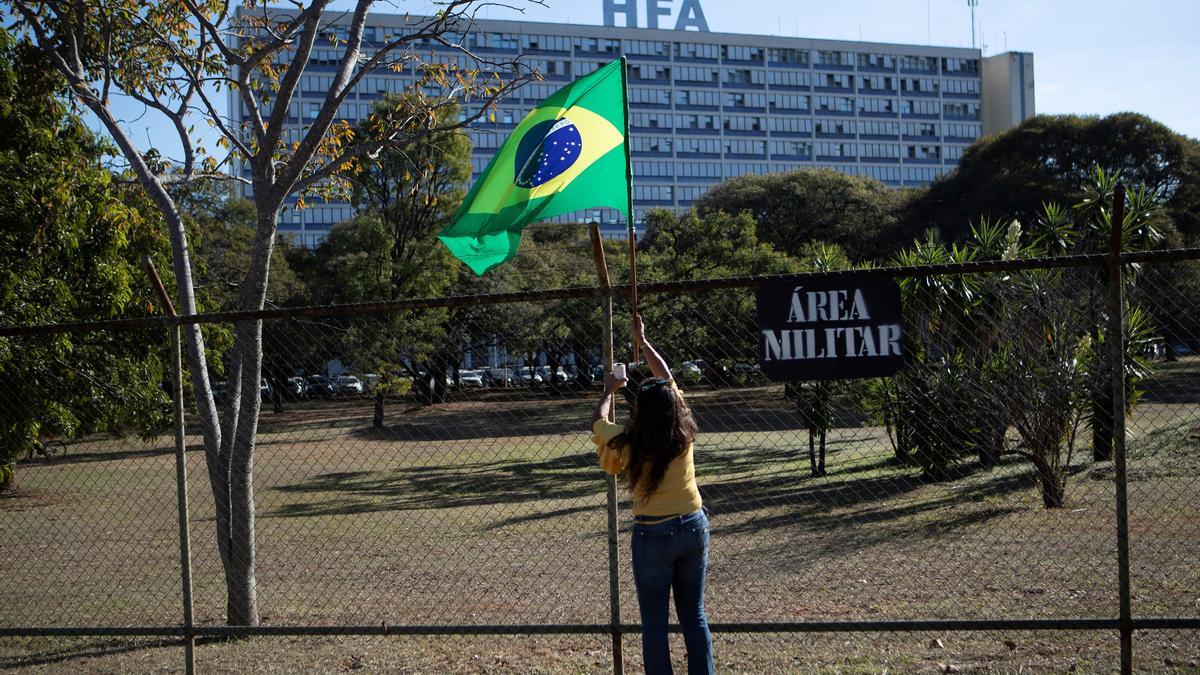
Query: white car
point(349, 385)
point(560, 375)
point(470, 378)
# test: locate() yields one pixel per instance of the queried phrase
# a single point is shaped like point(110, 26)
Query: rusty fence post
point(1116, 346)
point(614, 576)
point(185, 554)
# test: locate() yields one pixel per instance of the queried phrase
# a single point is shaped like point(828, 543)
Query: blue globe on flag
point(547, 150)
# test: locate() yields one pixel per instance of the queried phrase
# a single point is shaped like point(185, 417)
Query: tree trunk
point(821, 461)
point(238, 553)
point(812, 453)
point(377, 418)
point(1102, 420)
point(1052, 483)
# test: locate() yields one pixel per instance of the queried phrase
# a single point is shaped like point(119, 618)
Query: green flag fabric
point(567, 154)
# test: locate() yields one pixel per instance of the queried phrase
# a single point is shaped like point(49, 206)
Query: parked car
point(218, 391)
point(527, 375)
point(295, 388)
point(264, 390)
point(369, 381)
point(349, 385)
point(319, 385)
point(471, 378)
point(543, 372)
point(1154, 349)
point(499, 377)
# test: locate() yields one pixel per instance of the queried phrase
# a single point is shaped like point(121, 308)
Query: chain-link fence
point(423, 468)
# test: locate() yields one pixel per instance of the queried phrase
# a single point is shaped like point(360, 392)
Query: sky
point(1092, 57)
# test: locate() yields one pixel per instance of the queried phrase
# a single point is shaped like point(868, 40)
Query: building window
point(919, 63)
point(835, 104)
point(834, 127)
point(597, 46)
point(545, 43)
point(964, 87)
point(879, 61)
point(741, 53)
point(650, 120)
point(649, 96)
point(743, 123)
point(701, 170)
point(924, 152)
point(960, 66)
point(833, 58)
point(699, 146)
point(655, 169)
point(690, 50)
point(744, 76)
point(699, 98)
point(647, 48)
point(696, 122)
point(922, 129)
point(961, 110)
point(919, 85)
point(695, 74)
point(919, 107)
point(744, 100)
point(790, 125)
point(838, 81)
point(878, 106)
point(797, 57)
point(788, 102)
point(880, 151)
point(794, 149)
point(651, 144)
point(838, 150)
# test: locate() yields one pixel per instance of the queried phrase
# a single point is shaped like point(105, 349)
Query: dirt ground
point(489, 509)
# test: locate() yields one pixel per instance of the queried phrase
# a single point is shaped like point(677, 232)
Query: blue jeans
point(673, 554)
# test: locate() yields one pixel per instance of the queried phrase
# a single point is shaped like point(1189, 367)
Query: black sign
point(826, 329)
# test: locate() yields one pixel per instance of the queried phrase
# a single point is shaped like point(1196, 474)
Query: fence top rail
point(645, 288)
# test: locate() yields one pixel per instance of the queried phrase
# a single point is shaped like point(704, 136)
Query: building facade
point(705, 107)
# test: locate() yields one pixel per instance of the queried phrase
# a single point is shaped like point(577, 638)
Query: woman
point(653, 453)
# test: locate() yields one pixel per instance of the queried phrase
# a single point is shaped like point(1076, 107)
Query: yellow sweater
point(676, 494)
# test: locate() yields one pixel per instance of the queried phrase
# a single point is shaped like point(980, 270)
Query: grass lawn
point(491, 511)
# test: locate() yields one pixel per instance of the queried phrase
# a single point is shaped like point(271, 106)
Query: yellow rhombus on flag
point(567, 154)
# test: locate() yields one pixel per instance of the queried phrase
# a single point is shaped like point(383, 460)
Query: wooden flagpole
point(633, 298)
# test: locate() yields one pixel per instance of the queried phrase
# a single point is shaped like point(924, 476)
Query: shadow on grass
point(718, 411)
point(771, 484)
point(1173, 382)
point(89, 649)
point(445, 486)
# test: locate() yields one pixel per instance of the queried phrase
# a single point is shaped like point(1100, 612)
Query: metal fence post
point(614, 578)
point(1116, 346)
point(185, 554)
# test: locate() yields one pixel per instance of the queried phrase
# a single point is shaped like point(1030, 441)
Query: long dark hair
point(661, 429)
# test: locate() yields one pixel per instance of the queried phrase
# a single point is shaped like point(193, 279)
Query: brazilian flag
point(568, 154)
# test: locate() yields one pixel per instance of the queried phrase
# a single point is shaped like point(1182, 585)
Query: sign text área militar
point(822, 329)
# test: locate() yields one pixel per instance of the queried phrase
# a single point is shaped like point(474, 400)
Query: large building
point(705, 106)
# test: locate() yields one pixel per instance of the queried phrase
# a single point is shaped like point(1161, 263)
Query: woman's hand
point(639, 331)
point(612, 384)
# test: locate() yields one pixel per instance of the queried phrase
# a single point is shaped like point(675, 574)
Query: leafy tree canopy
point(1052, 158)
point(70, 250)
point(796, 208)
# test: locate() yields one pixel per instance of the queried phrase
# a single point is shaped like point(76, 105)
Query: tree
point(70, 250)
point(691, 246)
point(1051, 158)
point(800, 207)
point(1086, 228)
point(172, 57)
point(415, 191)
